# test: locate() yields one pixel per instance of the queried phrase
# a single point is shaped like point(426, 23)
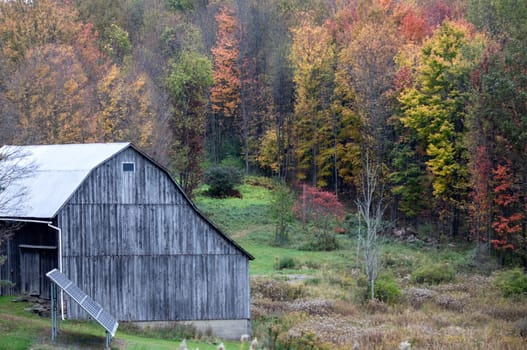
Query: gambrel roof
point(55, 172)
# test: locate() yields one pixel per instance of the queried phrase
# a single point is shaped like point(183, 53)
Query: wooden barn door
point(29, 271)
point(48, 261)
point(34, 263)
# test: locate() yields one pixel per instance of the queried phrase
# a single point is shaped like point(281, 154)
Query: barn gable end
point(133, 241)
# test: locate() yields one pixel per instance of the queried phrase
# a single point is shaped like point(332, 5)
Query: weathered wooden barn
point(117, 224)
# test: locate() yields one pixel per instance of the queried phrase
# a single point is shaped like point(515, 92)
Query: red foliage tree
point(508, 222)
point(318, 207)
point(414, 26)
point(438, 11)
point(94, 60)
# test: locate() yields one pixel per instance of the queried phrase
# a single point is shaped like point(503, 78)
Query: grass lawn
point(247, 220)
point(22, 330)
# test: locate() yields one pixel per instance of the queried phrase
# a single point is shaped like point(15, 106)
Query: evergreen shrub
point(511, 282)
point(221, 180)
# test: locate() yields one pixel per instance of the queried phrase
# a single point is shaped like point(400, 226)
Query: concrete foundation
point(223, 329)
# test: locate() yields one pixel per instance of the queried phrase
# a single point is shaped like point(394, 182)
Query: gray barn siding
point(140, 230)
point(164, 287)
point(134, 243)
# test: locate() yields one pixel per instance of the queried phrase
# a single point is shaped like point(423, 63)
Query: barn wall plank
point(182, 295)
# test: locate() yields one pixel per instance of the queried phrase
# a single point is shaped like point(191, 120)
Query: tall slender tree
point(225, 92)
point(369, 61)
point(313, 57)
point(189, 83)
point(371, 206)
point(435, 109)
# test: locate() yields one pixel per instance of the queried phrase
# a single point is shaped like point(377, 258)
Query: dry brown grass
point(468, 314)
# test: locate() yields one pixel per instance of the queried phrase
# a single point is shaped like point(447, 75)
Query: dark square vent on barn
point(117, 224)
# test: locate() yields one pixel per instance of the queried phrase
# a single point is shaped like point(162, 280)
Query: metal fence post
point(108, 339)
point(54, 312)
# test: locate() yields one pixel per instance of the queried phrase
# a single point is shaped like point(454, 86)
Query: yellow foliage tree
point(313, 57)
point(27, 24)
point(125, 109)
point(434, 110)
point(49, 94)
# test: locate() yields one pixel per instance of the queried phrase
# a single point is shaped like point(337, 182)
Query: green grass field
point(247, 220)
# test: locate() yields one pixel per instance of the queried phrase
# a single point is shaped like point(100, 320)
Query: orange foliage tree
point(225, 92)
point(27, 24)
point(61, 88)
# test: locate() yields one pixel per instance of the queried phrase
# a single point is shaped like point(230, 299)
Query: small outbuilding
point(116, 223)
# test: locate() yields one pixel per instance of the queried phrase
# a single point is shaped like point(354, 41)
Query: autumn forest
point(433, 92)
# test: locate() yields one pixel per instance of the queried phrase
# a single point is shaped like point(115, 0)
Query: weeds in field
point(315, 300)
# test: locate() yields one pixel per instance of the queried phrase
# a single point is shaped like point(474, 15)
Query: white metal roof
point(51, 173)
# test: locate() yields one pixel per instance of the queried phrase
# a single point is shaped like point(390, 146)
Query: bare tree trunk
point(279, 150)
point(335, 144)
point(359, 241)
point(245, 127)
point(315, 180)
point(371, 209)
